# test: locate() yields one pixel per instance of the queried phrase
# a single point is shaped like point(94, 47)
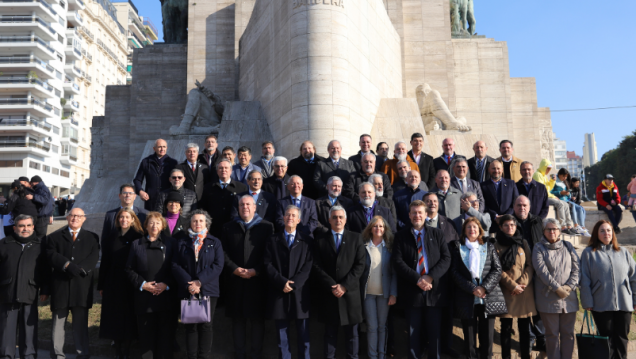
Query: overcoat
point(23, 270)
point(323, 206)
point(181, 227)
point(195, 180)
point(351, 185)
point(278, 186)
point(265, 205)
point(218, 203)
point(284, 263)
point(344, 267)
point(427, 169)
point(207, 270)
point(520, 305)
point(157, 176)
point(357, 222)
point(68, 291)
point(245, 247)
point(299, 166)
point(326, 169)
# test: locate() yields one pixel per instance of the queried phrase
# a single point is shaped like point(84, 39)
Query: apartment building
point(560, 154)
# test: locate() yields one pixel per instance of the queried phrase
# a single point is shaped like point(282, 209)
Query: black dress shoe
point(539, 346)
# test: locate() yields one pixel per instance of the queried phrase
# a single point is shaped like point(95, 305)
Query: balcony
point(10, 45)
point(21, 7)
point(76, 5)
point(74, 18)
point(41, 148)
point(37, 87)
point(36, 106)
point(87, 56)
point(27, 24)
point(71, 86)
point(88, 35)
point(69, 119)
point(26, 64)
point(72, 33)
point(71, 105)
point(73, 53)
point(23, 124)
point(151, 30)
point(72, 70)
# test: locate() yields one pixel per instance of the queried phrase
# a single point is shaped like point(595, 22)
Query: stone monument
point(288, 71)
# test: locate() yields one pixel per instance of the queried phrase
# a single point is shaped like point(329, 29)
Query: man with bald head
point(479, 164)
point(155, 169)
point(304, 166)
point(499, 193)
point(308, 215)
point(367, 168)
point(445, 161)
point(335, 165)
point(72, 252)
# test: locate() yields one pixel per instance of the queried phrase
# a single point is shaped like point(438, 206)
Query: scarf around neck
point(197, 241)
point(473, 258)
point(26, 240)
point(552, 246)
point(509, 256)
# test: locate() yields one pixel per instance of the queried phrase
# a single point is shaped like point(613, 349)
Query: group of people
point(345, 241)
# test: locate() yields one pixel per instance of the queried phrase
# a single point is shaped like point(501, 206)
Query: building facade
point(575, 164)
point(590, 156)
point(560, 154)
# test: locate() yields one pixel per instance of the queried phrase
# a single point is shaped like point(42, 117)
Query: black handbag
point(592, 345)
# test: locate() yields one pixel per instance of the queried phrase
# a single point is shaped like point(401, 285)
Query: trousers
point(199, 336)
point(23, 319)
point(156, 334)
point(562, 210)
point(486, 328)
point(578, 214)
point(432, 319)
point(41, 224)
point(376, 311)
point(614, 325)
point(559, 334)
point(80, 332)
point(523, 325)
point(239, 330)
point(615, 215)
point(351, 338)
point(302, 338)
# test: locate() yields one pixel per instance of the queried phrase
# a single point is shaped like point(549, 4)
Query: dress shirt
point(335, 162)
point(225, 184)
point(335, 239)
point(496, 184)
point(381, 245)
point(462, 184)
point(332, 200)
point(293, 237)
point(190, 164)
point(299, 198)
point(255, 196)
point(77, 231)
point(416, 158)
point(432, 222)
point(527, 185)
point(311, 160)
point(447, 159)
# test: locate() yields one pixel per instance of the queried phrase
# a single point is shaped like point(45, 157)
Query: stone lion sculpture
point(203, 113)
point(462, 12)
point(435, 114)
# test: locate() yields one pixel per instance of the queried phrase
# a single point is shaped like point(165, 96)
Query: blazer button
point(72, 258)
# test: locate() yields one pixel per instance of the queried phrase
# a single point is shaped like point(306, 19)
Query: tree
point(620, 162)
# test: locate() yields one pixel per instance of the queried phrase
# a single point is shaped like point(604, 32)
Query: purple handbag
point(195, 310)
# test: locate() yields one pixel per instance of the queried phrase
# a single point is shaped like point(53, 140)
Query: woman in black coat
point(177, 224)
point(149, 269)
point(476, 272)
point(118, 320)
point(197, 267)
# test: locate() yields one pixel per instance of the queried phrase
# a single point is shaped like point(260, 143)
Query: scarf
point(26, 240)
point(552, 246)
point(610, 188)
point(473, 258)
point(255, 220)
point(509, 256)
point(197, 241)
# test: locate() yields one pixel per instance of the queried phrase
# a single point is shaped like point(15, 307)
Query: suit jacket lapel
point(332, 242)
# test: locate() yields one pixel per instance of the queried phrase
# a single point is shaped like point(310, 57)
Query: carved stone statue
point(203, 113)
point(175, 21)
point(462, 12)
point(547, 143)
point(435, 113)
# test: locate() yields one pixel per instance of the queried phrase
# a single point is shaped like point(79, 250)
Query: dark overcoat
point(357, 221)
point(207, 269)
point(323, 205)
point(284, 263)
point(68, 291)
point(277, 186)
point(344, 267)
point(118, 311)
point(23, 270)
point(180, 228)
point(218, 203)
point(427, 169)
point(265, 205)
point(195, 180)
point(299, 166)
point(351, 185)
point(245, 248)
point(404, 260)
point(109, 229)
point(156, 175)
point(326, 169)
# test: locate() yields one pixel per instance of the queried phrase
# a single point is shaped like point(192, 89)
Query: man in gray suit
point(265, 162)
point(465, 184)
point(240, 170)
point(449, 198)
point(334, 165)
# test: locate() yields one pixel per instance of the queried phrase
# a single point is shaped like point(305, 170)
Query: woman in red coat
point(608, 200)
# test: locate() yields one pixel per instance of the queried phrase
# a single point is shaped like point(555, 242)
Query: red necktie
point(193, 170)
point(253, 193)
point(448, 160)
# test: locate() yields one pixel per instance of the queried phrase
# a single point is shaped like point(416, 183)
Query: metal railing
point(27, 39)
point(27, 19)
point(25, 80)
point(63, 4)
point(26, 60)
point(152, 27)
point(25, 122)
point(68, 116)
point(87, 32)
point(44, 3)
point(23, 143)
point(32, 101)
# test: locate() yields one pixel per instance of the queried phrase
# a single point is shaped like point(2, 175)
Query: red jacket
point(604, 197)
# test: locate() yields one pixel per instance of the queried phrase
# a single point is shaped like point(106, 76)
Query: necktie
point(499, 193)
point(74, 235)
point(337, 163)
point(290, 240)
point(480, 168)
point(297, 202)
point(368, 214)
point(337, 242)
point(223, 185)
point(448, 160)
point(193, 168)
point(253, 193)
point(420, 255)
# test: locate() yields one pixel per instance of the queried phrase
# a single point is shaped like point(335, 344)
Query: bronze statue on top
point(175, 21)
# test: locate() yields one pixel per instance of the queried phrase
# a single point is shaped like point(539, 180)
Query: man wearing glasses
point(470, 208)
point(190, 202)
point(277, 183)
point(72, 252)
point(127, 198)
point(22, 258)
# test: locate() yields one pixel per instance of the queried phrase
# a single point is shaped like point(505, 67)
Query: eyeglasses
point(177, 177)
point(279, 166)
point(552, 229)
point(75, 216)
point(128, 193)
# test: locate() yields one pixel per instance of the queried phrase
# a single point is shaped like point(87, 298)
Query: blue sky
point(581, 53)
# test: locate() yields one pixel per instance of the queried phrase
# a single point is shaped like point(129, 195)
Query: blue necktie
point(290, 240)
point(480, 168)
point(297, 202)
point(337, 242)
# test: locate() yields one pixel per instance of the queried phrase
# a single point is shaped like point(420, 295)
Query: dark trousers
point(614, 325)
point(41, 225)
point(199, 337)
point(302, 338)
point(21, 318)
point(390, 333)
point(432, 319)
point(615, 215)
point(239, 329)
point(351, 337)
point(485, 327)
point(446, 335)
point(523, 325)
point(156, 334)
point(537, 331)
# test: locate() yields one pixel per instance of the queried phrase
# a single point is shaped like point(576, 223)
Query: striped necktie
point(480, 169)
point(421, 268)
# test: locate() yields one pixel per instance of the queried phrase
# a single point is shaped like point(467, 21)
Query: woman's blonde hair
point(367, 233)
point(470, 220)
point(153, 215)
point(136, 224)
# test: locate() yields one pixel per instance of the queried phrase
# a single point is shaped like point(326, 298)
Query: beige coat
point(522, 305)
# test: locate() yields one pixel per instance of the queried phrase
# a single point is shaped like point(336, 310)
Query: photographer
point(20, 202)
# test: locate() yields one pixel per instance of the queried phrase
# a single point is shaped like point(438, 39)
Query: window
point(55, 171)
point(55, 149)
point(46, 168)
point(34, 165)
point(65, 174)
point(5, 164)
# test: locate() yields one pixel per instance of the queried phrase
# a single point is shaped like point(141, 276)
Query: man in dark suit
point(218, 197)
point(288, 263)
point(382, 154)
point(360, 214)
point(126, 200)
point(308, 215)
point(436, 220)
point(243, 167)
point(210, 155)
point(499, 193)
point(196, 174)
point(479, 164)
point(377, 180)
point(449, 198)
point(534, 190)
point(265, 162)
point(333, 198)
point(445, 161)
point(404, 197)
point(244, 241)
point(421, 259)
point(155, 169)
point(72, 252)
point(190, 202)
point(461, 181)
point(339, 261)
point(332, 166)
point(424, 161)
point(265, 202)
point(365, 148)
point(304, 166)
point(362, 175)
point(277, 183)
